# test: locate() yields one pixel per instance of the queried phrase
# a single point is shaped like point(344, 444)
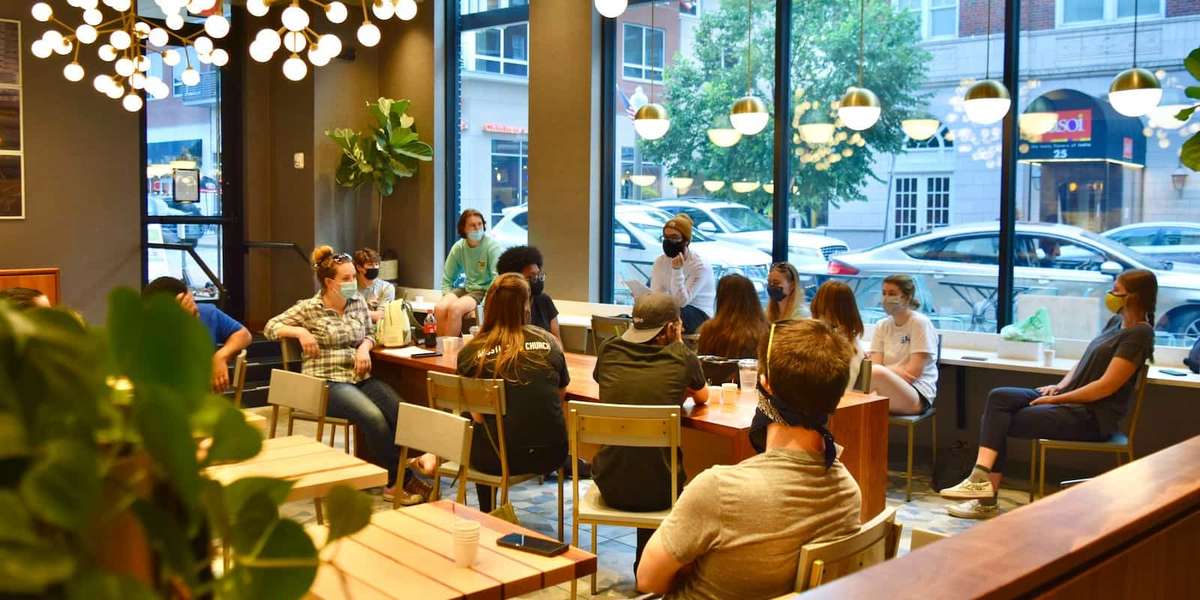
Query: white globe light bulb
point(190, 77)
point(294, 41)
point(199, 6)
point(107, 53)
point(383, 9)
point(368, 34)
point(257, 8)
point(119, 5)
point(124, 67)
point(859, 118)
point(52, 38)
point(611, 8)
point(749, 115)
point(336, 12)
point(270, 39)
point(86, 34)
point(294, 18)
point(217, 26)
point(132, 103)
point(41, 12)
point(137, 81)
point(115, 91)
point(220, 57)
point(73, 72)
point(159, 37)
point(175, 22)
point(93, 17)
point(102, 83)
point(331, 45)
point(171, 57)
point(294, 68)
point(159, 90)
point(203, 45)
point(41, 49)
point(119, 40)
point(64, 47)
point(260, 52)
point(317, 56)
point(406, 10)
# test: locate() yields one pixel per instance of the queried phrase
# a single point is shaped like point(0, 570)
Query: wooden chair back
point(874, 543)
point(1139, 393)
point(239, 378)
point(624, 425)
point(445, 435)
point(480, 397)
point(607, 328)
point(297, 392)
point(291, 354)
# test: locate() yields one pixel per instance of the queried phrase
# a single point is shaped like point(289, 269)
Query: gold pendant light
point(748, 114)
point(1134, 92)
point(859, 108)
point(987, 101)
point(651, 121)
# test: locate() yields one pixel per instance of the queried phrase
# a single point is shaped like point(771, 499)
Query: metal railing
point(222, 293)
point(271, 245)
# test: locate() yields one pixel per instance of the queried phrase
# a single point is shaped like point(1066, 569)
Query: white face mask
point(892, 305)
point(348, 289)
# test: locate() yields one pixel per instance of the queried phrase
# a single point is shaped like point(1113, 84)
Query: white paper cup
point(452, 344)
point(1048, 357)
point(714, 394)
point(467, 339)
point(729, 393)
point(466, 542)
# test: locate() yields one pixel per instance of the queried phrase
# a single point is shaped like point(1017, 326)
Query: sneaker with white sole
point(973, 509)
point(967, 490)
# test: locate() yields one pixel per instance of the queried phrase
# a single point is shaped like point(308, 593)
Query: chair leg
point(1042, 472)
point(595, 531)
point(291, 421)
point(349, 436)
point(562, 474)
point(908, 471)
point(333, 436)
point(317, 510)
point(1033, 449)
point(933, 443)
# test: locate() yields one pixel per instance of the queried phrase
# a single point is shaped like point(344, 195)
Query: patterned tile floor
point(537, 508)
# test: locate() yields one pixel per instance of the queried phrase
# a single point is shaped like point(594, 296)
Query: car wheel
point(1185, 322)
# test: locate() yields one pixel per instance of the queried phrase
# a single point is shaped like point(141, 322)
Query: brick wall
point(1035, 15)
point(1178, 8)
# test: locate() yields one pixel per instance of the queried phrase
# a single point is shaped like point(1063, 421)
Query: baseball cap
point(651, 312)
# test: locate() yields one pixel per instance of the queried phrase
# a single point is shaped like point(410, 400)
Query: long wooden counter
point(1133, 532)
point(714, 433)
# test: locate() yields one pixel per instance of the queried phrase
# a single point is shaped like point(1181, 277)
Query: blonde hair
point(504, 329)
point(782, 310)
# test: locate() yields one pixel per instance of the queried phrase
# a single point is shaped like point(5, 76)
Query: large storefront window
point(491, 85)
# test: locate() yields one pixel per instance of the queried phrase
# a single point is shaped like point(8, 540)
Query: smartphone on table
point(529, 543)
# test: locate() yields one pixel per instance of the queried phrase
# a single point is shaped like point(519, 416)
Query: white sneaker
point(967, 490)
point(973, 509)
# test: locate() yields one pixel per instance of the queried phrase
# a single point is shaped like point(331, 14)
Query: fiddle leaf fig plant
point(1189, 154)
point(104, 440)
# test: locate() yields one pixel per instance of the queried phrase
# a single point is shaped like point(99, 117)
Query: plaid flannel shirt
point(338, 336)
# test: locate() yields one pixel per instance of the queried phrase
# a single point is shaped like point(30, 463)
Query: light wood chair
point(484, 397)
point(442, 434)
point(293, 355)
point(298, 392)
point(1119, 444)
point(238, 383)
point(874, 543)
point(618, 425)
point(606, 328)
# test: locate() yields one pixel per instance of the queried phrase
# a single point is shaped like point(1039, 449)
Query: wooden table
point(713, 433)
point(256, 420)
point(313, 467)
point(409, 553)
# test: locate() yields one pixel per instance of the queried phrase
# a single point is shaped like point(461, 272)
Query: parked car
point(637, 241)
point(1176, 242)
point(956, 270)
point(742, 225)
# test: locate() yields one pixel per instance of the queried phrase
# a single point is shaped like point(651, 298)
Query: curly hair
point(515, 259)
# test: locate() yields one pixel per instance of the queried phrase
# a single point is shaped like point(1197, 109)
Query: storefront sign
point(1072, 126)
point(1086, 129)
point(502, 128)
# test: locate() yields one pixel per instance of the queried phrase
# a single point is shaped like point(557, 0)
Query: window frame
point(644, 66)
point(19, 87)
point(1109, 12)
point(926, 19)
point(502, 61)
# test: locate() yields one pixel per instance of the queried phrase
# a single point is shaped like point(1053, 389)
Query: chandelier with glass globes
point(300, 41)
point(126, 40)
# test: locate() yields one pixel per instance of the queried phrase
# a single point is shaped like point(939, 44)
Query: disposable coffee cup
point(452, 344)
point(466, 542)
point(714, 394)
point(1048, 357)
point(729, 393)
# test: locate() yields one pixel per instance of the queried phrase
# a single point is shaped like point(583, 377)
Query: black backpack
point(1193, 358)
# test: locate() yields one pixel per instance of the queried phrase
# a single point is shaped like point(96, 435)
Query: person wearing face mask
point(472, 257)
point(527, 260)
point(904, 350)
point(684, 275)
point(336, 335)
point(376, 292)
point(786, 297)
point(1086, 405)
point(648, 364)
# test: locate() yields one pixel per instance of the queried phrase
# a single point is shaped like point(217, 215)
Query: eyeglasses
point(337, 259)
point(539, 278)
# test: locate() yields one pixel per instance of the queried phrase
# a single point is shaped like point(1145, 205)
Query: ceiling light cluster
point(300, 41)
point(126, 39)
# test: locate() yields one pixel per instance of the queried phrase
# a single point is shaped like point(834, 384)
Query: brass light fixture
point(651, 121)
point(713, 185)
point(987, 101)
point(920, 127)
point(1134, 91)
point(748, 114)
point(859, 108)
point(1038, 119)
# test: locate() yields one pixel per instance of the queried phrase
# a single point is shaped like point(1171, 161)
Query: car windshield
point(651, 220)
point(742, 219)
point(1119, 248)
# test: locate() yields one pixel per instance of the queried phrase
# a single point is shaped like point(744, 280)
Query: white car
point(741, 225)
point(1176, 242)
point(637, 241)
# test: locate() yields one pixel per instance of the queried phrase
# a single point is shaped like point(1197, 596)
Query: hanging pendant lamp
point(1135, 91)
point(651, 121)
point(987, 101)
point(1039, 118)
point(611, 8)
point(859, 108)
point(748, 114)
point(920, 127)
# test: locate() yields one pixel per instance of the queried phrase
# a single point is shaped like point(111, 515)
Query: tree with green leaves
point(825, 44)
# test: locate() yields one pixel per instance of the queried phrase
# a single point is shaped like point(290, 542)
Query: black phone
point(1175, 372)
point(968, 357)
point(426, 354)
point(529, 543)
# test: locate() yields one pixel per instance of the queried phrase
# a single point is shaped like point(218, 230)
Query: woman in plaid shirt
point(334, 329)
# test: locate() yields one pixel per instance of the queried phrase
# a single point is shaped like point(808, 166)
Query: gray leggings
point(1008, 413)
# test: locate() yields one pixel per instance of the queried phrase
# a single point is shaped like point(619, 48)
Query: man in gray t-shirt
point(740, 528)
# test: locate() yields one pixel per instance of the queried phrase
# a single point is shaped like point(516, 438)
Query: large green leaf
point(30, 569)
point(1189, 154)
point(232, 437)
point(1192, 91)
point(167, 436)
point(1192, 63)
point(156, 342)
point(238, 492)
point(252, 521)
point(284, 569)
point(348, 509)
point(63, 486)
point(1185, 114)
point(101, 585)
point(16, 525)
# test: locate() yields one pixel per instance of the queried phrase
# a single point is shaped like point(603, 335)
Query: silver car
point(956, 270)
point(740, 224)
point(1175, 242)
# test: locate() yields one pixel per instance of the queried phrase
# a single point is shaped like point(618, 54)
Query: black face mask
point(776, 293)
point(673, 248)
point(372, 273)
point(537, 287)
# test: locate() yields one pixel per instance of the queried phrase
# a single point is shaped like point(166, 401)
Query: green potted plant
point(382, 155)
point(1189, 154)
point(104, 438)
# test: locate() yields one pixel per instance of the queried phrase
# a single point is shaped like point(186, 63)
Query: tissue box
point(1019, 350)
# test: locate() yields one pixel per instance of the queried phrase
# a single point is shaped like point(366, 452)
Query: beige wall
point(82, 181)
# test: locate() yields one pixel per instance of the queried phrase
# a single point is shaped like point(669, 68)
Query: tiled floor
point(537, 508)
